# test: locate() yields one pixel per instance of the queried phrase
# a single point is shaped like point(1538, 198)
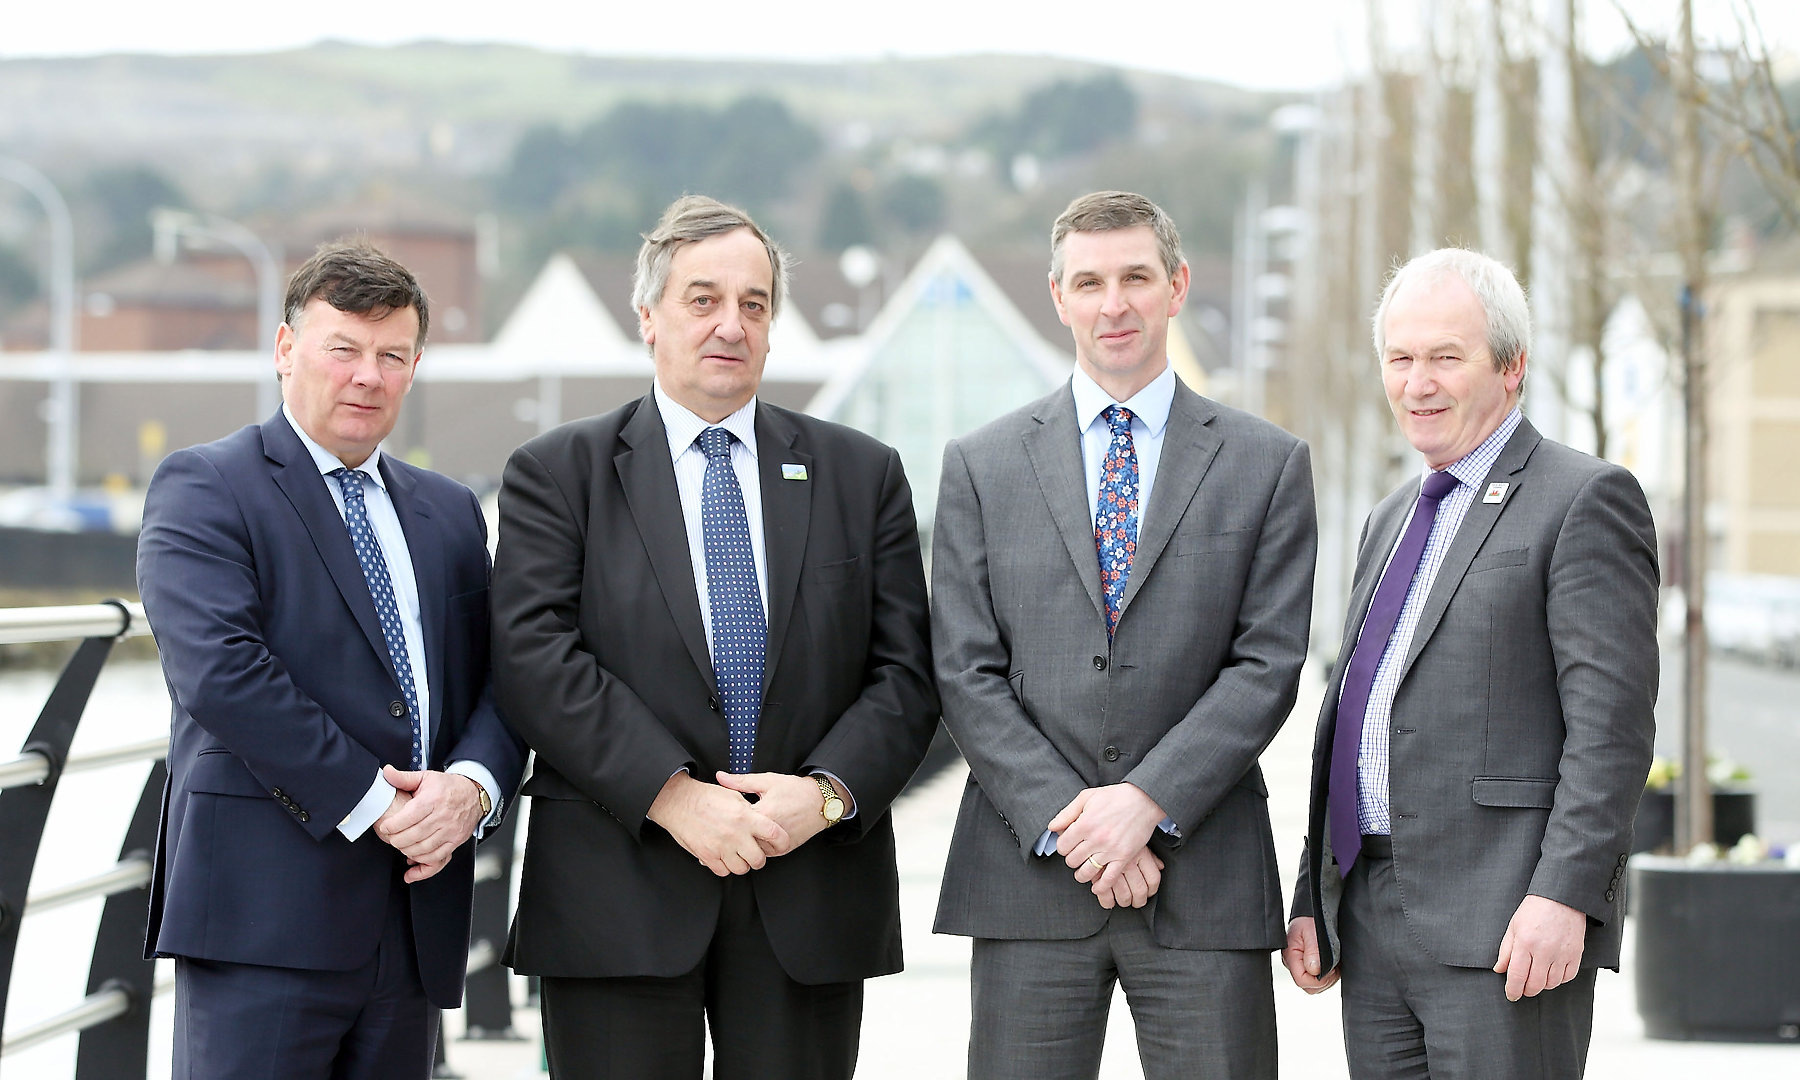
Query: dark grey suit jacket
point(1522, 727)
point(1201, 672)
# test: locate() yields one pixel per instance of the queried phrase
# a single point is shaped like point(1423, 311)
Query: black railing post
point(23, 810)
point(119, 1049)
point(487, 997)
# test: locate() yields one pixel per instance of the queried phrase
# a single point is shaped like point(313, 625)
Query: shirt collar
point(1473, 467)
point(1151, 404)
point(327, 461)
point(682, 426)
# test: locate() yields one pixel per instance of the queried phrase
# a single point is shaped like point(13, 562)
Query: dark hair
point(356, 277)
point(1103, 211)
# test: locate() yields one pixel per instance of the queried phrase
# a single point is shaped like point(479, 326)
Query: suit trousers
point(1039, 1008)
point(764, 1025)
point(1408, 1016)
point(244, 1021)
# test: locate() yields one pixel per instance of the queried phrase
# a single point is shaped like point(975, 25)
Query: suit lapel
point(786, 518)
point(1189, 447)
point(1054, 447)
point(426, 546)
point(1471, 535)
point(299, 479)
point(647, 476)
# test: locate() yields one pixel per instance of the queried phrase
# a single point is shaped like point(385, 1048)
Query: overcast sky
point(1258, 43)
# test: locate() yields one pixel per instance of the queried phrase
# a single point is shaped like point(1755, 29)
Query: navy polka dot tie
point(381, 590)
point(1116, 513)
point(739, 632)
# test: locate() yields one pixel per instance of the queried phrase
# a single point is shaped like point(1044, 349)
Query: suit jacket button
point(396, 709)
point(712, 703)
point(304, 816)
point(1099, 663)
point(277, 793)
point(1609, 896)
point(1111, 753)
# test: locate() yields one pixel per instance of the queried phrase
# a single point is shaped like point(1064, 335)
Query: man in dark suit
point(1485, 737)
point(710, 624)
point(321, 611)
point(1122, 580)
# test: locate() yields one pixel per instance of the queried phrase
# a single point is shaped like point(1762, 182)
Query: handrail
point(25, 770)
point(122, 754)
point(125, 875)
point(109, 1002)
point(116, 618)
point(32, 767)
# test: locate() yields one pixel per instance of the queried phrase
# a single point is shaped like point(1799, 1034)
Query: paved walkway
point(916, 1023)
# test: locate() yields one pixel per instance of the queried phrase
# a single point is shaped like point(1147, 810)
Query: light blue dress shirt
point(1372, 754)
point(386, 525)
point(683, 426)
point(1149, 421)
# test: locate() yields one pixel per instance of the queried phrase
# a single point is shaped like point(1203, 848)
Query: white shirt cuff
point(479, 773)
point(372, 806)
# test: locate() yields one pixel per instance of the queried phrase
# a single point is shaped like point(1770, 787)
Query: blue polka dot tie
point(739, 632)
point(1116, 513)
point(381, 590)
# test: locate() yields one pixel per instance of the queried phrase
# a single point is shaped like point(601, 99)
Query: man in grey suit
point(1122, 577)
point(1485, 739)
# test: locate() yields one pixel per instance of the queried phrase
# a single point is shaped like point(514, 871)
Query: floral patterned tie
point(1116, 513)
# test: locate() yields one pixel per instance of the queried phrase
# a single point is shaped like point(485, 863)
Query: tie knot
point(1118, 417)
point(715, 443)
point(1437, 485)
point(350, 482)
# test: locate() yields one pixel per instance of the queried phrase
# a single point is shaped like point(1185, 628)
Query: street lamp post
point(60, 408)
point(171, 227)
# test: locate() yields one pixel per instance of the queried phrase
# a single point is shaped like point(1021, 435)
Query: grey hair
point(1502, 299)
point(690, 219)
point(1102, 211)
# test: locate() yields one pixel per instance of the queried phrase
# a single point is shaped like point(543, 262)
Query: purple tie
point(1359, 678)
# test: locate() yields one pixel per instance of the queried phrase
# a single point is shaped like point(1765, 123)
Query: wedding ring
point(1096, 863)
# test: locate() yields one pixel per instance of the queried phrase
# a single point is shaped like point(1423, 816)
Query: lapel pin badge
point(798, 472)
point(1495, 493)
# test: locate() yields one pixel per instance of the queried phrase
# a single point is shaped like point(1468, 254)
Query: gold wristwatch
point(487, 804)
point(832, 809)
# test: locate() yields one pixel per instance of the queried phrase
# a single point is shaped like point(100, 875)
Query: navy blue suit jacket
point(284, 703)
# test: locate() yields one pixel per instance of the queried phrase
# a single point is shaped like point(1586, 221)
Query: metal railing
point(114, 1018)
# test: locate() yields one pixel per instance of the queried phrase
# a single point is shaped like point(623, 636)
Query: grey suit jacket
point(1522, 728)
point(1202, 670)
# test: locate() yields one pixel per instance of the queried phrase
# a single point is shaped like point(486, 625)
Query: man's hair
point(1502, 299)
point(688, 220)
point(1106, 210)
point(355, 276)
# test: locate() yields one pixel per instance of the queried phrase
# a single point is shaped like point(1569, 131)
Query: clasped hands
point(1540, 950)
point(430, 817)
point(727, 832)
point(1103, 835)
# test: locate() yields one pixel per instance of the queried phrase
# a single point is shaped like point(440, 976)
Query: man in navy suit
point(322, 614)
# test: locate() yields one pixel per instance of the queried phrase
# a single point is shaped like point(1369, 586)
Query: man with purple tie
point(1486, 735)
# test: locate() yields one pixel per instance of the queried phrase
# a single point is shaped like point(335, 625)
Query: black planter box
point(1718, 954)
point(1734, 816)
